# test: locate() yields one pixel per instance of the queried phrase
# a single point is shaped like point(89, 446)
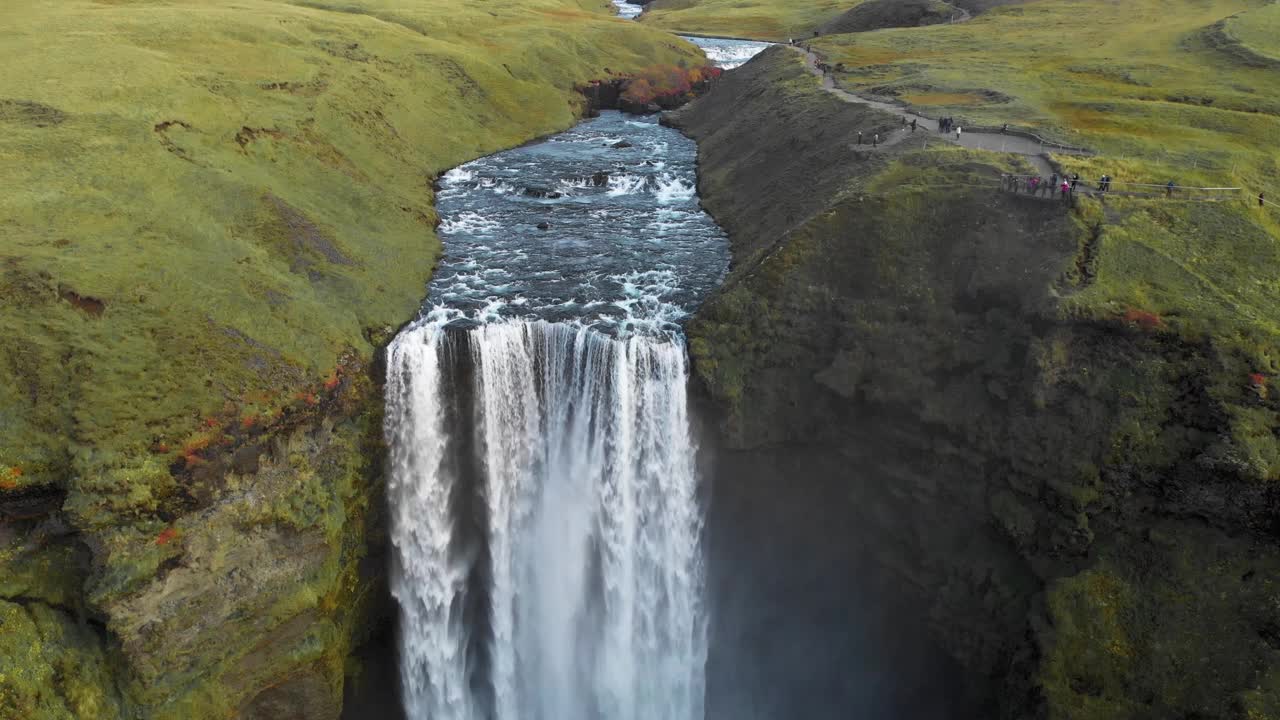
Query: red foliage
point(248, 421)
point(332, 381)
point(666, 81)
point(639, 91)
point(8, 484)
point(166, 536)
point(1143, 319)
point(192, 448)
point(211, 422)
point(15, 472)
point(1258, 380)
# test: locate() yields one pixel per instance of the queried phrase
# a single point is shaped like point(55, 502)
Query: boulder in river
point(544, 225)
point(621, 144)
point(542, 192)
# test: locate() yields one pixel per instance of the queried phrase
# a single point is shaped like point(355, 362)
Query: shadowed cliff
point(1063, 494)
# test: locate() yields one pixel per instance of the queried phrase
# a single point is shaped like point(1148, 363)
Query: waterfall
point(546, 524)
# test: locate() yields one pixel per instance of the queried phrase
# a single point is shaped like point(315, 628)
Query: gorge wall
point(1064, 497)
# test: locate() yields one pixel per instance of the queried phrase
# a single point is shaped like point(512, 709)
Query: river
point(548, 518)
point(555, 553)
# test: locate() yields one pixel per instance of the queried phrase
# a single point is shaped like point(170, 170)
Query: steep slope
point(881, 14)
point(215, 213)
point(1066, 488)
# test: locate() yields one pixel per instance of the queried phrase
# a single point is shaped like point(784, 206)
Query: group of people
point(1063, 186)
point(947, 124)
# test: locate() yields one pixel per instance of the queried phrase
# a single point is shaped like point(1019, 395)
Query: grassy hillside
point(214, 211)
point(1258, 31)
point(760, 19)
point(207, 201)
point(1160, 97)
point(1150, 94)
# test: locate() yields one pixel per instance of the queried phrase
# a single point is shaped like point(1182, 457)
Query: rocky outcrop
point(1064, 497)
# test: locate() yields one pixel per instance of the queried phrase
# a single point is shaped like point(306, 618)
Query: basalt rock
point(542, 192)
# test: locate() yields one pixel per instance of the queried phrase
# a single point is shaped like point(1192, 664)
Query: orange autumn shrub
point(1143, 319)
point(659, 81)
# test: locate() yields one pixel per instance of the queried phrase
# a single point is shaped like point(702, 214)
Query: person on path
point(1053, 180)
point(1032, 185)
point(876, 141)
point(1168, 189)
point(1004, 129)
point(859, 137)
point(958, 130)
point(1262, 199)
point(1065, 189)
point(913, 125)
point(939, 124)
point(1075, 178)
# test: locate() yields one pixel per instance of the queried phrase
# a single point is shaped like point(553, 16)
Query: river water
point(553, 555)
point(547, 519)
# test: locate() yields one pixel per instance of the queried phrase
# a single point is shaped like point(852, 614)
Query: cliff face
point(1065, 495)
point(238, 588)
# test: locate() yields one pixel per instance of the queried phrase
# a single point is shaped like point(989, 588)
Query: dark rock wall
point(1051, 493)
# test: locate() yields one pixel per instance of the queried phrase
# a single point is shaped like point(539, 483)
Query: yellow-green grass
point(1258, 30)
point(1134, 80)
point(759, 19)
point(206, 201)
point(1141, 83)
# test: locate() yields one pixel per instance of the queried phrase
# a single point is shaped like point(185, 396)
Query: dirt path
point(962, 14)
point(1034, 151)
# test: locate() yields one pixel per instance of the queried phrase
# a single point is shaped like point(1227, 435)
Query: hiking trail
point(1033, 150)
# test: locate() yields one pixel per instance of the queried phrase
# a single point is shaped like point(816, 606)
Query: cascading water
point(546, 513)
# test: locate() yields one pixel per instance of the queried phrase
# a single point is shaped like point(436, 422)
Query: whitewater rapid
point(546, 511)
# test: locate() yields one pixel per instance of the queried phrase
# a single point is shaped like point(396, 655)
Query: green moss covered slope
point(214, 213)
